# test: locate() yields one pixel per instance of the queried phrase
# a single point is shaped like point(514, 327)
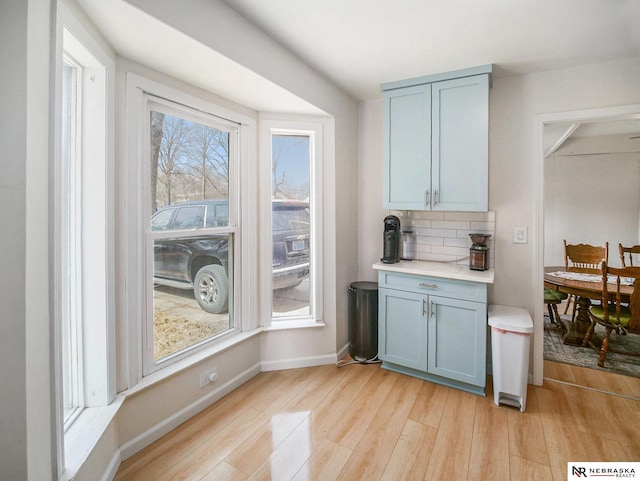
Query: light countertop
point(447, 270)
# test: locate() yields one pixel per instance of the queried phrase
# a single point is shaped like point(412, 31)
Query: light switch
point(520, 234)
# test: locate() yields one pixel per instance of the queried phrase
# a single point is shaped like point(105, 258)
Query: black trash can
point(363, 320)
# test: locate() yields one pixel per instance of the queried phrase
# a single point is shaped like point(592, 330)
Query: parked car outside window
point(201, 263)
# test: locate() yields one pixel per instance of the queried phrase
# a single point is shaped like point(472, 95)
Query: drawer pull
point(428, 286)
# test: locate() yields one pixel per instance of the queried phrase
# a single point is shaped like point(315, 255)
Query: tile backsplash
point(444, 236)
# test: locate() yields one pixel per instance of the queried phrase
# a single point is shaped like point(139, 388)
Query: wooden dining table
point(584, 291)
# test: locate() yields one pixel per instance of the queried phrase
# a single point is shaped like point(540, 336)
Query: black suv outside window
point(201, 263)
point(161, 220)
point(189, 217)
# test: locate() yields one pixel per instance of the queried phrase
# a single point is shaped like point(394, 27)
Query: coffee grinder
point(479, 252)
point(391, 249)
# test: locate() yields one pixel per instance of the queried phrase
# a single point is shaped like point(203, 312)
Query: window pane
point(69, 218)
point(291, 226)
point(192, 274)
point(189, 161)
point(191, 292)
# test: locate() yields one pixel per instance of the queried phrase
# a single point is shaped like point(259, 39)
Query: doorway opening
point(562, 141)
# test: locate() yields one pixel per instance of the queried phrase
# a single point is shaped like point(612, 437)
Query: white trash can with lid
point(511, 329)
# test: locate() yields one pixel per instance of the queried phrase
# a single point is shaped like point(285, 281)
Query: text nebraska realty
point(604, 472)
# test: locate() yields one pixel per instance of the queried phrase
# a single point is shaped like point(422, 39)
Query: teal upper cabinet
point(436, 142)
point(407, 148)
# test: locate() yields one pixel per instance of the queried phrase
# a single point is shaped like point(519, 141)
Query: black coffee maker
point(391, 253)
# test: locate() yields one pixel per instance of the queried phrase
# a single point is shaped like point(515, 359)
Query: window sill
point(83, 435)
point(293, 324)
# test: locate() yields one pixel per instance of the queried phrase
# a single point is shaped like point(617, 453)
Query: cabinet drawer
point(471, 291)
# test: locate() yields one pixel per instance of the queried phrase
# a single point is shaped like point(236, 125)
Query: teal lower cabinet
point(434, 329)
point(402, 328)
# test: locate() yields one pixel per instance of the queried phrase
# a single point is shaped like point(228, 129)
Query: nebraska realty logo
point(603, 470)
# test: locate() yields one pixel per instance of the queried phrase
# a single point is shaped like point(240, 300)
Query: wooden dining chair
point(626, 254)
point(614, 314)
point(551, 299)
point(586, 259)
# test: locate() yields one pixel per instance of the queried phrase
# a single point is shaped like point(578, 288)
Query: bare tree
point(275, 160)
point(173, 148)
point(188, 160)
point(209, 159)
point(157, 119)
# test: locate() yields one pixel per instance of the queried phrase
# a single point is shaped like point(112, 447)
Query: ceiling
point(362, 43)
point(617, 135)
point(359, 44)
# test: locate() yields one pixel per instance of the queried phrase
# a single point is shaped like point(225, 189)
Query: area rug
point(556, 350)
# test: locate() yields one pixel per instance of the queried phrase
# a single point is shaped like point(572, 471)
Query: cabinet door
point(402, 328)
point(460, 144)
point(457, 339)
point(407, 155)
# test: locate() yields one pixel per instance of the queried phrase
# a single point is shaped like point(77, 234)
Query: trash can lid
point(507, 318)
point(364, 286)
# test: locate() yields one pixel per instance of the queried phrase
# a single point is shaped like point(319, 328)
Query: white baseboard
point(156, 432)
point(298, 362)
point(112, 469)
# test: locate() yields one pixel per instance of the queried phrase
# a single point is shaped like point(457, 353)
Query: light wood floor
point(593, 379)
point(361, 422)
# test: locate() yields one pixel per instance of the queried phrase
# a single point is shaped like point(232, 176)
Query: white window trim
point(314, 128)
point(98, 292)
point(136, 192)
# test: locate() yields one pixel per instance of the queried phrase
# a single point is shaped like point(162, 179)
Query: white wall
point(370, 212)
point(13, 144)
point(26, 424)
point(514, 103)
point(590, 199)
point(41, 415)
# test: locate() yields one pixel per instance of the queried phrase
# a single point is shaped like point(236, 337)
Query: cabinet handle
point(430, 308)
point(424, 305)
point(428, 286)
point(426, 198)
point(435, 198)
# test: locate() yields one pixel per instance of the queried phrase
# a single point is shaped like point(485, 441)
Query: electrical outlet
point(520, 234)
point(208, 377)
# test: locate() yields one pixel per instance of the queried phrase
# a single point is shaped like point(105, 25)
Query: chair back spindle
point(614, 299)
point(585, 258)
point(626, 254)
